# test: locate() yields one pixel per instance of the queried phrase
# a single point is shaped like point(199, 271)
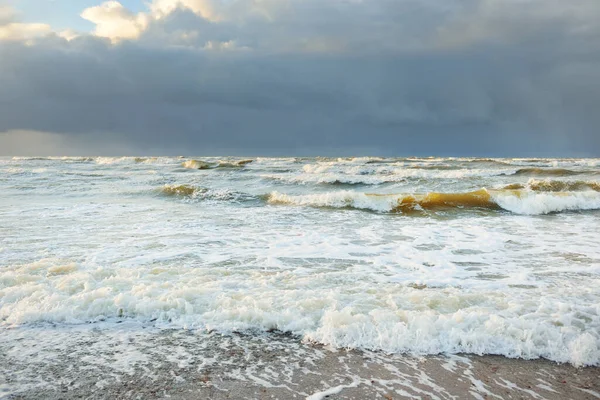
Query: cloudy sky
point(300, 77)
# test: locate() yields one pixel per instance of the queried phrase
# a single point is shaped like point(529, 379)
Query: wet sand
point(129, 361)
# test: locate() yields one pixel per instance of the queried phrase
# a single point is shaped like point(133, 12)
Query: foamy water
point(424, 256)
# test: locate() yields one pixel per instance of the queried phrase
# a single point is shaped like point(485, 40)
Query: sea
point(419, 256)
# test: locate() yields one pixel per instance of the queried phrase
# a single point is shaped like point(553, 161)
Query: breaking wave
point(196, 164)
point(199, 164)
point(199, 193)
point(516, 201)
point(224, 299)
point(182, 190)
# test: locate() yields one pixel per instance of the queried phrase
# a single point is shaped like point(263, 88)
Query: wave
point(428, 321)
point(98, 160)
point(333, 179)
point(555, 186)
point(516, 201)
point(17, 158)
point(149, 160)
point(556, 162)
point(134, 160)
point(189, 192)
point(199, 164)
point(114, 160)
point(196, 164)
point(547, 172)
point(234, 164)
point(62, 158)
point(181, 190)
point(323, 175)
point(488, 161)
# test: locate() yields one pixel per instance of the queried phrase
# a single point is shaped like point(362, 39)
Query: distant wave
point(199, 164)
point(374, 175)
point(101, 160)
point(147, 160)
point(313, 174)
point(65, 159)
point(196, 164)
point(16, 158)
point(547, 172)
point(134, 160)
point(555, 186)
point(516, 201)
point(333, 179)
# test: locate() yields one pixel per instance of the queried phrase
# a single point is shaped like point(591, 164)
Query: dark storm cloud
point(461, 80)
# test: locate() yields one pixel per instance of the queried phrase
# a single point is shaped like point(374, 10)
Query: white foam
point(344, 309)
point(330, 391)
point(530, 203)
point(113, 160)
point(127, 160)
point(339, 199)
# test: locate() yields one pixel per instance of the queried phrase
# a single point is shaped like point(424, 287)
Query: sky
point(499, 78)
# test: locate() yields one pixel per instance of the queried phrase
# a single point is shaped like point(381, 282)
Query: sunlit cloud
point(115, 22)
point(12, 29)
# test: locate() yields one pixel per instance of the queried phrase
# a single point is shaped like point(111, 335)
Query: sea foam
point(147, 242)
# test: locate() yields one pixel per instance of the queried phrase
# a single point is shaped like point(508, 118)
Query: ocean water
point(406, 255)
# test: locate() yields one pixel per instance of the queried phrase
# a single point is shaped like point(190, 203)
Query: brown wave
point(546, 172)
point(514, 186)
point(435, 201)
point(556, 186)
point(181, 190)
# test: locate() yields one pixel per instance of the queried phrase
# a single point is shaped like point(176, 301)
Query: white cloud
point(69, 34)
point(115, 22)
point(11, 29)
point(208, 9)
point(21, 31)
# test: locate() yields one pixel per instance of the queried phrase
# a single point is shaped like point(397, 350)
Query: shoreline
point(130, 361)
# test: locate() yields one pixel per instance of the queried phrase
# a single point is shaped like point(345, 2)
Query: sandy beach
point(133, 362)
